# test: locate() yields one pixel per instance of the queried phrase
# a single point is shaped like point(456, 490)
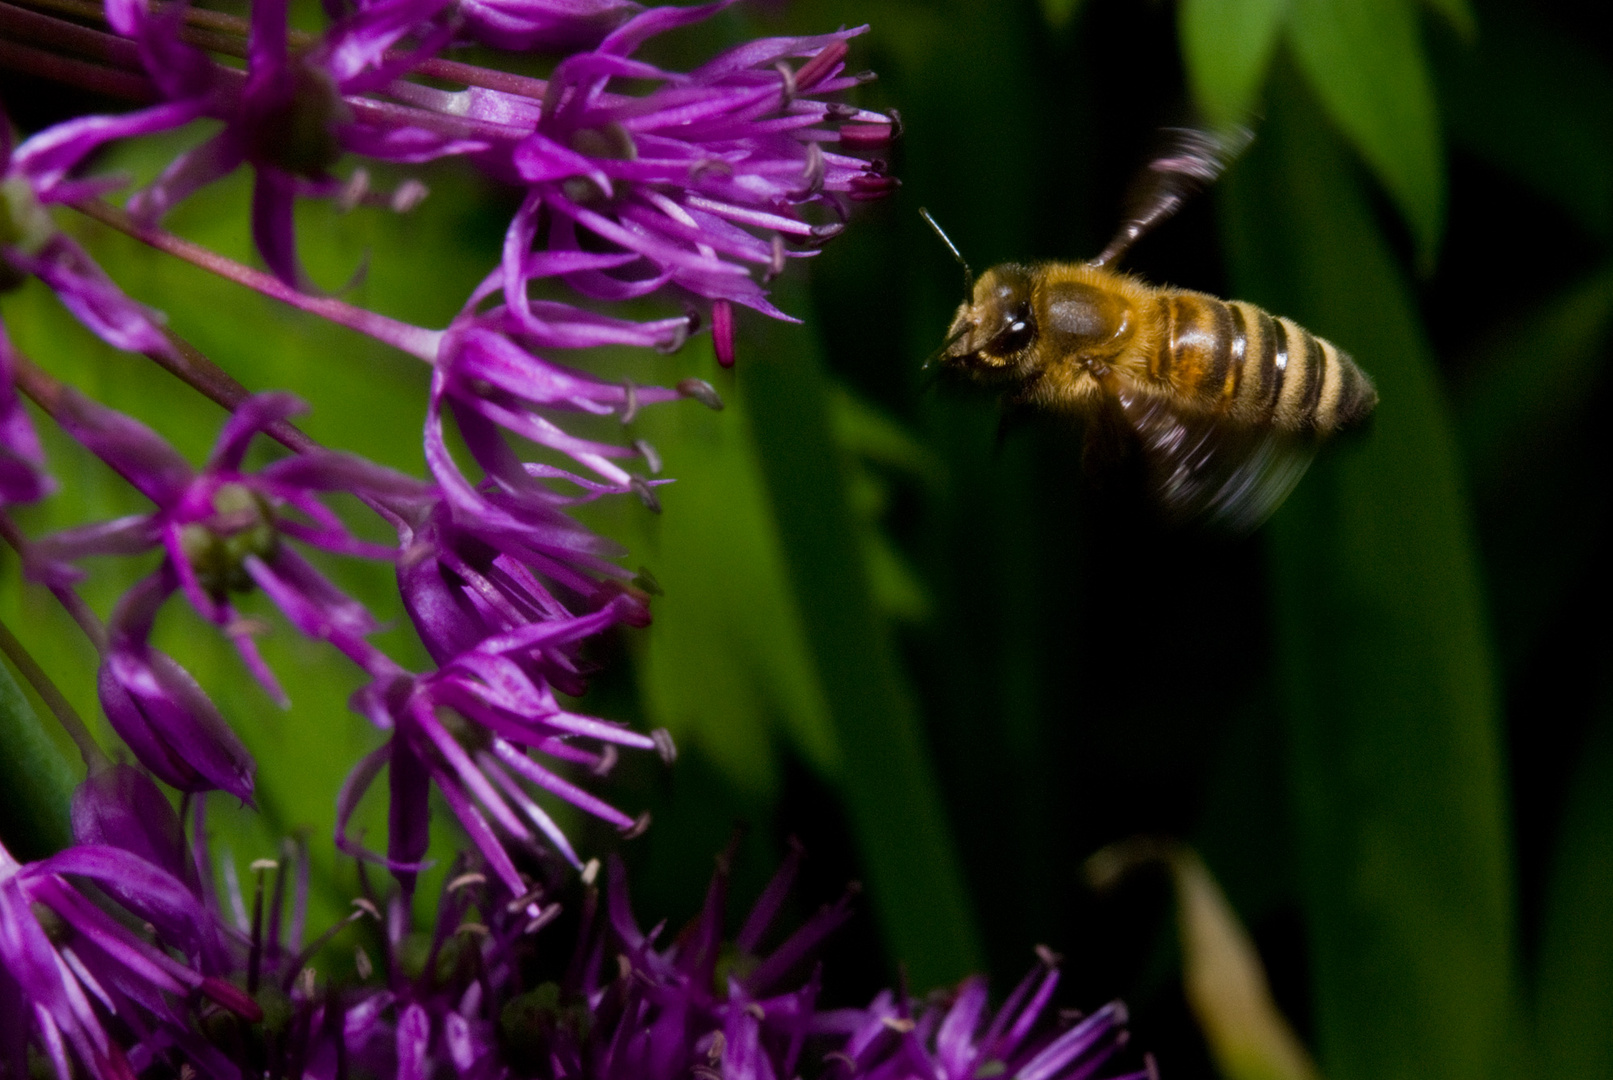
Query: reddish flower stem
point(230, 32)
point(79, 73)
point(417, 341)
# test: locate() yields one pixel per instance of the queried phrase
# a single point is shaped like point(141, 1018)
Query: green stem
point(94, 757)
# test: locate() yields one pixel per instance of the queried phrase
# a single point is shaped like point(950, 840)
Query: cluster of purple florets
point(124, 953)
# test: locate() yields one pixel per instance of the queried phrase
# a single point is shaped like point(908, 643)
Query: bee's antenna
point(968, 275)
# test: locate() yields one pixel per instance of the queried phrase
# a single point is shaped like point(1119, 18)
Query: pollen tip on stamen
point(701, 391)
point(629, 401)
point(652, 460)
point(775, 261)
point(590, 872)
point(646, 581)
point(1048, 957)
point(542, 919)
point(645, 494)
point(353, 192)
point(664, 746)
point(606, 762)
point(677, 336)
point(409, 194)
point(640, 826)
point(787, 94)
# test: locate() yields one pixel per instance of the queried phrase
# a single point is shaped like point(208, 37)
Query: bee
point(1224, 403)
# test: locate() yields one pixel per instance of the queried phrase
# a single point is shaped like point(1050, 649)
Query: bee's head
point(994, 334)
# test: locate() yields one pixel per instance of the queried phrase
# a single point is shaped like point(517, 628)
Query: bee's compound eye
point(1018, 331)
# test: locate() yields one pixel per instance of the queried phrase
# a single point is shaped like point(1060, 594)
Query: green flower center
point(217, 549)
point(299, 134)
point(24, 225)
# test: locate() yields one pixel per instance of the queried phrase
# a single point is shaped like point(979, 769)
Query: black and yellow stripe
point(1233, 357)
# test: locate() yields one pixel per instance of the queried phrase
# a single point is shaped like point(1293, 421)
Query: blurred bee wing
point(1204, 468)
point(1188, 161)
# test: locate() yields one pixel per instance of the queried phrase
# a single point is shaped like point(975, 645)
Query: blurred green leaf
point(36, 778)
point(1459, 14)
point(1524, 415)
point(1574, 978)
point(1365, 61)
point(1537, 103)
point(1532, 377)
point(1060, 13)
point(890, 789)
point(1227, 46)
point(1396, 767)
point(874, 444)
point(725, 664)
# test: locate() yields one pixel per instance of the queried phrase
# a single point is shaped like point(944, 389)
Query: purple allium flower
point(22, 459)
point(954, 1036)
point(224, 530)
point(36, 175)
point(469, 729)
point(68, 969)
point(542, 25)
point(295, 112)
point(702, 178)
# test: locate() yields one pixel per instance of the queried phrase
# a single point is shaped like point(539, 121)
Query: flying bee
point(1224, 402)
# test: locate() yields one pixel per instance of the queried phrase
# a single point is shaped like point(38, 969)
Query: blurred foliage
point(950, 666)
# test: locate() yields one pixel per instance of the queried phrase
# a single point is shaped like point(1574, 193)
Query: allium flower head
point(36, 175)
point(706, 176)
point(224, 530)
point(290, 115)
point(470, 728)
point(69, 970)
point(956, 1037)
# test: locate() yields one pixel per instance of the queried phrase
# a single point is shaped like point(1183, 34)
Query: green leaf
point(1574, 979)
point(1537, 103)
point(725, 665)
point(1227, 46)
point(896, 812)
point(873, 444)
point(1533, 377)
point(1060, 13)
point(36, 778)
point(1365, 62)
point(1458, 14)
point(1525, 430)
point(1395, 757)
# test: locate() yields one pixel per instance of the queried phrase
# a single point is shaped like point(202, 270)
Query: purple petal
point(137, 453)
point(93, 298)
point(274, 196)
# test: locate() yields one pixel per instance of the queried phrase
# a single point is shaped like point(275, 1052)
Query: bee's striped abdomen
point(1232, 357)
